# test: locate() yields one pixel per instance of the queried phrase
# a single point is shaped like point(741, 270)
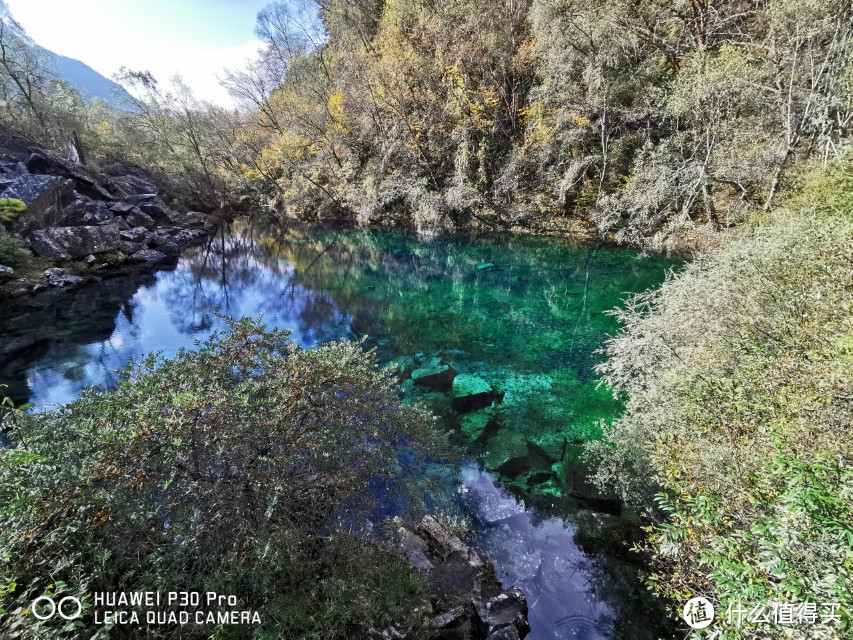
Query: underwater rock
point(487, 266)
point(507, 453)
point(438, 378)
point(471, 392)
point(606, 533)
point(403, 366)
point(475, 424)
point(549, 446)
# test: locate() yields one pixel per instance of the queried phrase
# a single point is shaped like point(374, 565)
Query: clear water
point(525, 314)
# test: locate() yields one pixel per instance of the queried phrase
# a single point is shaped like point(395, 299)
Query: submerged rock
point(474, 424)
point(403, 366)
point(439, 378)
point(507, 453)
point(471, 392)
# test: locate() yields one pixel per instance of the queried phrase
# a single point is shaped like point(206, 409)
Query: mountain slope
point(89, 82)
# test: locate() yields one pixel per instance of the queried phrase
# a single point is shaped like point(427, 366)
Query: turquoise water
point(523, 315)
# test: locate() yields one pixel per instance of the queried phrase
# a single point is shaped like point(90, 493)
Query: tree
point(24, 71)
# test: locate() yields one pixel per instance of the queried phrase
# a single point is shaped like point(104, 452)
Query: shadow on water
point(525, 314)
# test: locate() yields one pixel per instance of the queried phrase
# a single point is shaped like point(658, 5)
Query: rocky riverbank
point(468, 602)
point(80, 226)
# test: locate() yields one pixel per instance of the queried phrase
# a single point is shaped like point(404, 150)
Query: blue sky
point(196, 38)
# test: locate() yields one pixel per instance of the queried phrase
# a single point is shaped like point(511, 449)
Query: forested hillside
point(640, 119)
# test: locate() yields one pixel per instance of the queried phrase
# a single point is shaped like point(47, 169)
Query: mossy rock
point(114, 258)
point(11, 208)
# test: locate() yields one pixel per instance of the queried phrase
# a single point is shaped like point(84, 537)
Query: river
point(526, 314)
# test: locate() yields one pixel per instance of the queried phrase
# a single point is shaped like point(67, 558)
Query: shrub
point(14, 251)
point(235, 468)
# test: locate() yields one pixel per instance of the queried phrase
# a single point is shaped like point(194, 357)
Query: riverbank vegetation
point(738, 375)
point(244, 468)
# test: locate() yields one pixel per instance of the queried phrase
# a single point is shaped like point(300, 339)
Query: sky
point(195, 38)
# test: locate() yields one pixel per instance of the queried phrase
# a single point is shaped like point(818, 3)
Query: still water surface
point(527, 314)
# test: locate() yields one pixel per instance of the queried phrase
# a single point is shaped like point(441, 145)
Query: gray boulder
point(147, 256)
point(121, 208)
point(6, 273)
point(43, 197)
point(187, 237)
point(137, 234)
point(97, 213)
point(84, 181)
point(65, 243)
point(137, 218)
point(135, 185)
point(141, 197)
point(160, 212)
point(129, 248)
point(415, 549)
point(170, 249)
point(64, 281)
point(503, 611)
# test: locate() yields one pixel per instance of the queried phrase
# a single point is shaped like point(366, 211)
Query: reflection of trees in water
point(541, 297)
point(232, 274)
point(57, 330)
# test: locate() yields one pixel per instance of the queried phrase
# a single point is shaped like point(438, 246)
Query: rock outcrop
point(90, 225)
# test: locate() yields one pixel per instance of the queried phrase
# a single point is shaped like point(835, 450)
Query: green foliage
point(224, 469)
point(11, 208)
point(738, 379)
